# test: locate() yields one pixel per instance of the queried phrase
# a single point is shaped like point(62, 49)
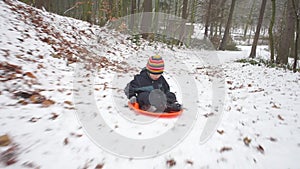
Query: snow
point(259, 104)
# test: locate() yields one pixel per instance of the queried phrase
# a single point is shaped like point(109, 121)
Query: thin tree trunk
point(207, 21)
point(222, 6)
point(288, 34)
point(139, 4)
point(194, 7)
point(184, 9)
point(211, 29)
point(271, 38)
point(169, 7)
point(296, 45)
point(182, 24)
point(176, 4)
point(257, 32)
point(132, 12)
point(228, 25)
point(249, 19)
point(297, 14)
point(146, 20)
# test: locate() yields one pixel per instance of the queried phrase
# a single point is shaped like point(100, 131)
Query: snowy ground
point(258, 128)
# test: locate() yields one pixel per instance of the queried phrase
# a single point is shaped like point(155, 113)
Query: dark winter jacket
point(143, 83)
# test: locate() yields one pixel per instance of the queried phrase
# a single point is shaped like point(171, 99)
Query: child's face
point(154, 76)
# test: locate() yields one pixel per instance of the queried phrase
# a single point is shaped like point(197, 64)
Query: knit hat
point(155, 65)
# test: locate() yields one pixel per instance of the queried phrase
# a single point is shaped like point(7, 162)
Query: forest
point(225, 22)
point(233, 66)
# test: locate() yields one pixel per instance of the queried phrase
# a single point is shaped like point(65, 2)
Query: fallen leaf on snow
point(4, 140)
point(34, 119)
point(76, 135)
point(260, 149)
point(257, 90)
point(29, 74)
point(223, 149)
point(47, 103)
point(247, 141)
point(9, 156)
point(23, 102)
point(273, 139)
point(171, 163)
point(66, 141)
point(280, 117)
point(208, 115)
point(275, 106)
point(37, 98)
point(220, 131)
point(99, 166)
point(236, 87)
point(54, 116)
point(30, 165)
point(189, 162)
point(68, 102)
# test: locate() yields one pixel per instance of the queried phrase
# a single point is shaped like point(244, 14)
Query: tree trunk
point(219, 17)
point(221, 6)
point(257, 32)
point(139, 4)
point(146, 19)
point(207, 20)
point(184, 9)
point(271, 38)
point(296, 44)
point(194, 8)
point(132, 12)
point(249, 19)
point(288, 34)
point(176, 6)
point(297, 14)
point(228, 25)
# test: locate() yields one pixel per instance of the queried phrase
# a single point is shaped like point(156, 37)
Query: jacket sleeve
point(130, 89)
point(165, 86)
point(171, 97)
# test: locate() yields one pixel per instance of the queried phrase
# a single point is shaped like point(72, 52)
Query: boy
point(151, 90)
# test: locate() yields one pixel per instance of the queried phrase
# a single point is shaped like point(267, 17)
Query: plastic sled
point(136, 108)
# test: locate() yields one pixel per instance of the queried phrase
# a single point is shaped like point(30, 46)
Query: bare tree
point(271, 38)
point(257, 32)
point(228, 26)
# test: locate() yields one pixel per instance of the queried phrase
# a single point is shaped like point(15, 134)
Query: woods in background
point(225, 22)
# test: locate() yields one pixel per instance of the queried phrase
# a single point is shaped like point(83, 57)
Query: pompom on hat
point(155, 65)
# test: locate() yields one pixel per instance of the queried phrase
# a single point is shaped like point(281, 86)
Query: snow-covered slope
point(44, 86)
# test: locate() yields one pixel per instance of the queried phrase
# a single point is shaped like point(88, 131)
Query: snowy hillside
point(62, 103)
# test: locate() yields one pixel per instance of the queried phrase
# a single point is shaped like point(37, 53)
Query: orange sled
point(136, 108)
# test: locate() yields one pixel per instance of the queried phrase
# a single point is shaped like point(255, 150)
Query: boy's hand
point(132, 99)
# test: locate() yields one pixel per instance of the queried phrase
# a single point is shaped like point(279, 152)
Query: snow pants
point(155, 98)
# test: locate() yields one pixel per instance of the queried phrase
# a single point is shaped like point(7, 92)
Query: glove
point(132, 99)
point(174, 107)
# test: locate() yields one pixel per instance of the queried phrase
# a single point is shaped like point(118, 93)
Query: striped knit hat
point(155, 65)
